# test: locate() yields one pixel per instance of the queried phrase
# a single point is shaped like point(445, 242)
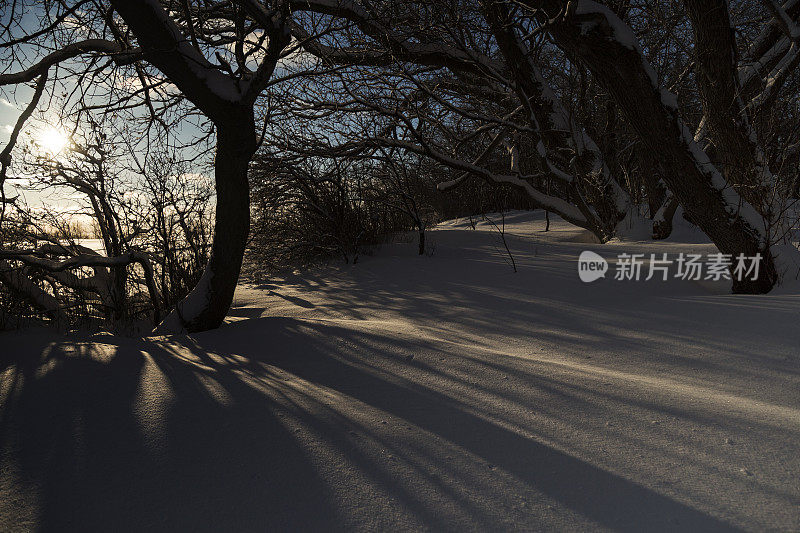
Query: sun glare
point(52, 140)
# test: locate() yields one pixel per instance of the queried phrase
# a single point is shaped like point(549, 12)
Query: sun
point(52, 140)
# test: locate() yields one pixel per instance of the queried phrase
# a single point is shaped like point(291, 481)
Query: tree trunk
point(595, 36)
point(207, 304)
point(421, 241)
point(555, 128)
point(717, 81)
point(662, 221)
point(119, 292)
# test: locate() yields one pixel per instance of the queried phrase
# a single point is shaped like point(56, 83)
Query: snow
point(624, 36)
point(748, 71)
point(781, 69)
point(217, 83)
point(735, 206)
point(634, 227)
point(786, 21)
point(787, 262)
point(622, 33)
point(579, 139)
point(669, 99)
point(189, 309)
point(684, 231)
point(406, 392)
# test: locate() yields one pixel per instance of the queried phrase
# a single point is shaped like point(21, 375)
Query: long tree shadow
point(599, 495)
point(166, 435)
point(102, 456)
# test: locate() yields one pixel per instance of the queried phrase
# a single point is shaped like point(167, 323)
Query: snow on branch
point(785, 22)
point(781, 59)
point(548, 116)
point(68, 52)
point(776, 77)
point(18, 282)
point(595, 33)
point(33, 258)
point(173, 54)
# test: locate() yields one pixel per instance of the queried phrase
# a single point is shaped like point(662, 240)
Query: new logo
point(591, 267)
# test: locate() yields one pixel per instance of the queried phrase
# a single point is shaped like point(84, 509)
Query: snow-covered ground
point(440, 392)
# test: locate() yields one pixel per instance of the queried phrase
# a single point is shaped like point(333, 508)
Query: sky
point(14, 99)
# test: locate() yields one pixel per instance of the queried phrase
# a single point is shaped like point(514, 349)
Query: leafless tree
point(153, 47)
point(441, 52)
point(609, 111)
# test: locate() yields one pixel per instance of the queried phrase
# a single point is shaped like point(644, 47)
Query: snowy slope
point(440, 392)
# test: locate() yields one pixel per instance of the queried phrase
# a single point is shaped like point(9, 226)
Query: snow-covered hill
point(441, 392)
